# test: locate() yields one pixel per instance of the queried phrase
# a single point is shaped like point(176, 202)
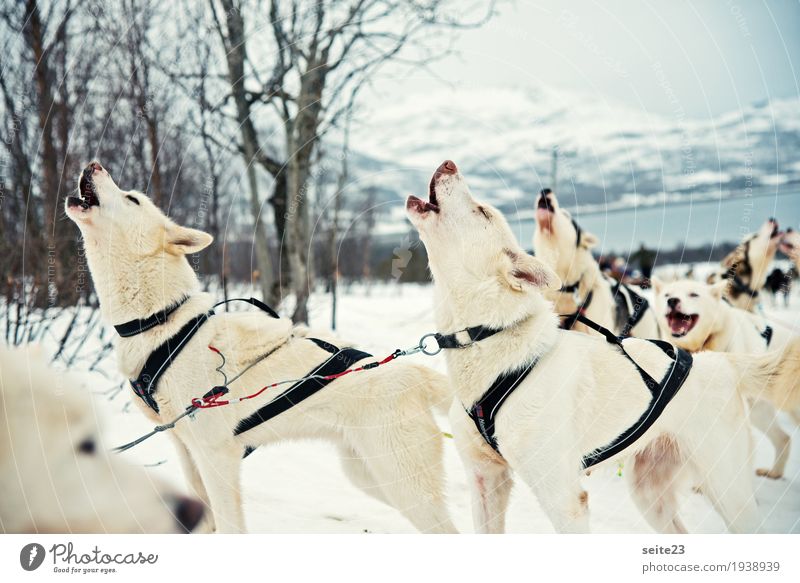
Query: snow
point(299, 487)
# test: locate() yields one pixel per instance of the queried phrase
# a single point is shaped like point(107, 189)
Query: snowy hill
point(503, 138)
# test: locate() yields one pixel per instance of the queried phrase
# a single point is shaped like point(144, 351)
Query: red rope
point(213, 400)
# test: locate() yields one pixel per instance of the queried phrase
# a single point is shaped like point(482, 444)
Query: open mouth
point(681, 324)
point(88, 195)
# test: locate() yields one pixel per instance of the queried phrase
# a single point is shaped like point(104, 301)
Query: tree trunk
point(43, 80)
point(300, 148)
point(278, 201)
point(235, 54)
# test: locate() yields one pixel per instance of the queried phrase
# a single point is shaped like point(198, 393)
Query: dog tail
point(437, 390)
point(774, 376)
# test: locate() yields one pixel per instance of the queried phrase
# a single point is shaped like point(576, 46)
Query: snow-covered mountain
point(610, 153)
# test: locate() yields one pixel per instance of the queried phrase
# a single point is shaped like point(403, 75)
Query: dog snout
point(188, 512)
point(446, 167)
point(91, 168)
point(673, 302)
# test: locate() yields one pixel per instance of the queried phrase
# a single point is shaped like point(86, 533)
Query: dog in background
point(745, 268)
point(381, 420)
point(696, 317)
point(583, 392)
point(55, 476)
point(566, 249)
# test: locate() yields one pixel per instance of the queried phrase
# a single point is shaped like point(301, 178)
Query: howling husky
point(573, 396)
point(381, 420)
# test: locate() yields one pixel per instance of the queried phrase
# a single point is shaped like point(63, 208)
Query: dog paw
point(773, 475)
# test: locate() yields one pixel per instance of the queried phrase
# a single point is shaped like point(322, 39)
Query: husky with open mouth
point(745, 268)
point(580, 393)
point(380, 420)
point(566, 248)
point(695, 316)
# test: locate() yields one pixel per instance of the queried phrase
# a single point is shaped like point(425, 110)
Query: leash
point(213, 398)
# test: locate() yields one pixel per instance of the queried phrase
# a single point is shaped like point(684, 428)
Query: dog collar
point(134, 327)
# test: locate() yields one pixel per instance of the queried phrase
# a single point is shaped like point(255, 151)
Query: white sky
point(697, 58)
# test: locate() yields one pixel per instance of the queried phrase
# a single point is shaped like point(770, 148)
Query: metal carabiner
point(424, 349)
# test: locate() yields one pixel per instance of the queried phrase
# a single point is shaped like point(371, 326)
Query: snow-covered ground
point(299, 487)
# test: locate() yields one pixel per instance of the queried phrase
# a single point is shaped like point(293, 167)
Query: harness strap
point(339, 361)
point(145, 385)
point(578, 233)
point(569, 320)
point(134, 327)
point(738, 285)
point(767, 335)
point(475, 333)
point(484, 410)
point(253, 302)
point(638, 302)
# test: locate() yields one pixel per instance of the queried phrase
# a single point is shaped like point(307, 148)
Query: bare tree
point(324, 52)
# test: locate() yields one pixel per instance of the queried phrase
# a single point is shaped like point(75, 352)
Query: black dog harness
point(340, 360)
point(767, 335)
point(145, 385)
point(630, 315)
point(484, 411)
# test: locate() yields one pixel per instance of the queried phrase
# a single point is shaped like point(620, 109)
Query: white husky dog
point(745, 268)
point(381, 419)
point(695, 316)
point(55, 476)
point(583, 392)
point(566, 249)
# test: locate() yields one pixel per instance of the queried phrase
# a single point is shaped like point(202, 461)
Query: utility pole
point(557, 152)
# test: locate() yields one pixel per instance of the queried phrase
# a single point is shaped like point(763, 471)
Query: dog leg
point(410, 477)
point(723, 464)
point(653, 481)
point(764, 418)
point(220, 470)
point(196, 484)
point(490, 485)
point(355, 468)
point(556, 484)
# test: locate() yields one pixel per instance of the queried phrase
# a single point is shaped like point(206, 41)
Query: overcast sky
point(702, 58)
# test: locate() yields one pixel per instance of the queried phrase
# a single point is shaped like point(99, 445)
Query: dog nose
point(673, 302)
point(188, 513)
point(92, 168)
point(447, 167)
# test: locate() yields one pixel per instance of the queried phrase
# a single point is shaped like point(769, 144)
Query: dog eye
point(484, 212)
point(87, 446)
point(133, 199)
point(693, 295)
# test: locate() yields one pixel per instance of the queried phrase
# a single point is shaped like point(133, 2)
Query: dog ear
point(718, 289)
point(185, 241)
point(588, 240)
point(518, 269)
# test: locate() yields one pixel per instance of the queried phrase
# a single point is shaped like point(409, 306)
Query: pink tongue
point(679, 325)
point(544, 216)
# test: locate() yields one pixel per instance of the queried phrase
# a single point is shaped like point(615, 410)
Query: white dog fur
point(381, 420)
point(55, 476)
point(555, 243)
point(750, 261)
point(700, 319)
point(582, 394)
